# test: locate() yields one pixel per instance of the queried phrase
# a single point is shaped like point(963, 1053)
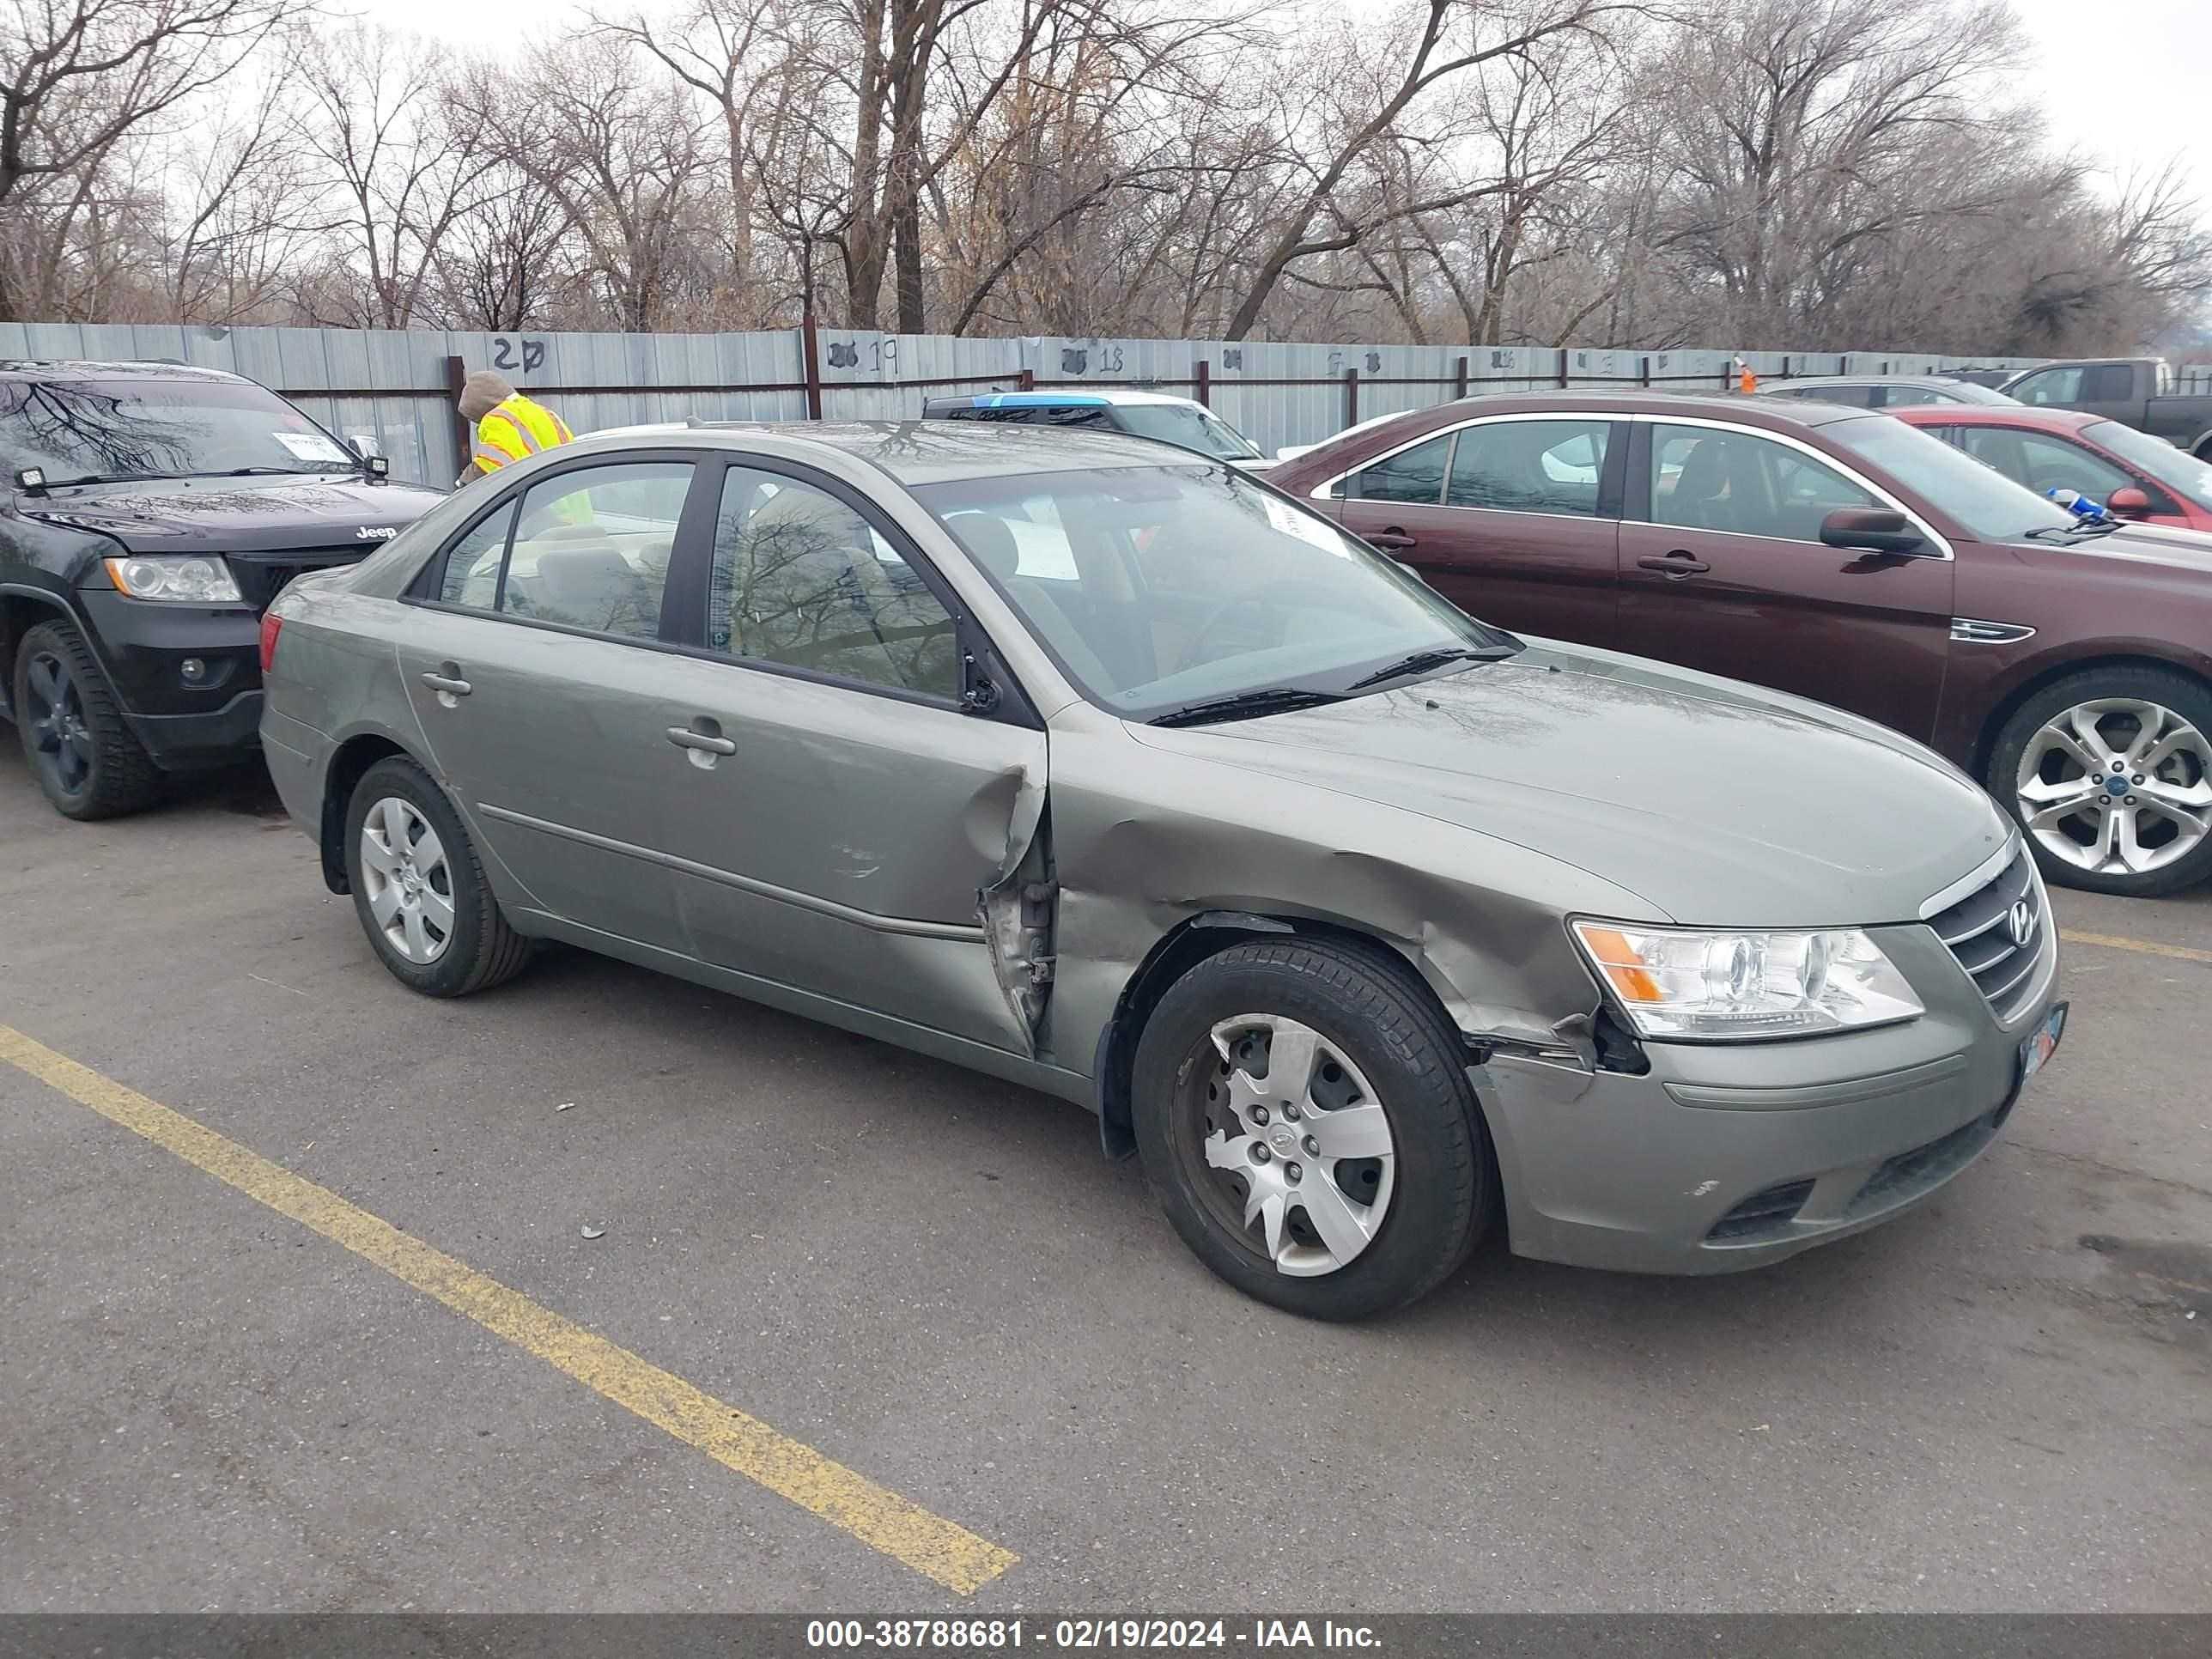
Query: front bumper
point(1728, 1156)
point(144, 646)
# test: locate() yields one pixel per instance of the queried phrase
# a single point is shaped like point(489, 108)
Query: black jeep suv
point(149, 513)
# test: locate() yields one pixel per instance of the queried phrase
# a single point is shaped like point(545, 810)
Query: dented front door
point(838, 840)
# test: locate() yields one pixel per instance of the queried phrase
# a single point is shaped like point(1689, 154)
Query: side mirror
point(1871, 530)
point(2128, 502)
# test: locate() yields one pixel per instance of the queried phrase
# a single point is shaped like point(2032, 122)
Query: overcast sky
point(2124, 81)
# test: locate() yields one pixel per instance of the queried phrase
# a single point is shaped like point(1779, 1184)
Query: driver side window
point(1708, 478)
point(2052, 386)
point(802, 580)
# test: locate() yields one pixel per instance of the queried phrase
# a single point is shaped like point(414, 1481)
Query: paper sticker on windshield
point(310, 447)
point(1291, 522)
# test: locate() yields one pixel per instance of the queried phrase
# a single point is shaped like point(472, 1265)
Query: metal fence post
point(456, 376)
point(1351, 397)
point(1028, 382)
point(1201, 376)
point(1459, 380)
point(1643, 368)
point(810, 351)
point(1563, 367)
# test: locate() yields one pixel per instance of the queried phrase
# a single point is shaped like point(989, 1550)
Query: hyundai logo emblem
point(2020, 921)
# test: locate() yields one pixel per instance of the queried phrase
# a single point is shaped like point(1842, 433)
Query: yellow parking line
point(878, 1516)
point(2146, 947)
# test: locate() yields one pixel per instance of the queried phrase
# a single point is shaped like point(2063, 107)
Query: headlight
point(190, 579)
point(1698, 983)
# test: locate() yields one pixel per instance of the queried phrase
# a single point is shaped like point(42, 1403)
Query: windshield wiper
point(2067, 532)
point(1420, 662)
point(260, 472)
point(1245, 705)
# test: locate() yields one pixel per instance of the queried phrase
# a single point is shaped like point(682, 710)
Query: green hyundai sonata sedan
point(1112, 770)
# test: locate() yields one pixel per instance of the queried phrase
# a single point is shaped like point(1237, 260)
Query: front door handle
point(447, 682)
point(1676, 565)
point(684, 737)
point(1391, 541)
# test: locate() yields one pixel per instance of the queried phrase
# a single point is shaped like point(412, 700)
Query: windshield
point(1158, 588)
point(1991, 505)
point(1194, 429)
point(74, 429)
point(1965, 392)
point(2177, 469)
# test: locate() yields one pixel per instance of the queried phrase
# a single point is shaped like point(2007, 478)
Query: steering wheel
point(1267, 632)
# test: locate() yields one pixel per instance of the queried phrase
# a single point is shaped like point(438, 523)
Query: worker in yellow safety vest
point(509, 426)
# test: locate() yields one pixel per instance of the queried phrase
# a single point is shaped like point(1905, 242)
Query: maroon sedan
point(2135, 474)
point(1840, 554)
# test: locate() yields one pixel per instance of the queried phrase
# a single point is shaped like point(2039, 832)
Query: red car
point(2136, 475)
point(1842, 555)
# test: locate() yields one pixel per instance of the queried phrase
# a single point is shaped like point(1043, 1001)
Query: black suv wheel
point(74, 734)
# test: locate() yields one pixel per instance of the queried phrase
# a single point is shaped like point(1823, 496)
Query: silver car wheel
point(405, 878)
point(1298, 1143)
point(2117, 785)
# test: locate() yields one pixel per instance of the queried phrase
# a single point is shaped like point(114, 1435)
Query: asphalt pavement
point(930, 1285)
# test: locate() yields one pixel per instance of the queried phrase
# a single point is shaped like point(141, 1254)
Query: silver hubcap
point(2117, 787)
point(1301, 1138)
point(408, 883)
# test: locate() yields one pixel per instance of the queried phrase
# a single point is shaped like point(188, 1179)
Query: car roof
point(1090, 397)
point(73, 368)
point(1781, 385)
point(1780, 413)
point(935, 451)
point(2032, 416)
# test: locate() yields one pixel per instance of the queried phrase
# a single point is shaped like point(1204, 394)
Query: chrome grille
point(1979, 933)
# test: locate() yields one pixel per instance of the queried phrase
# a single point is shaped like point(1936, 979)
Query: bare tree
point(78, 77)
point(1439, 40)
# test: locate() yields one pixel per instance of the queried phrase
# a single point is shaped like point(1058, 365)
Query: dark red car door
point(1514, 519)
point(1722, 568)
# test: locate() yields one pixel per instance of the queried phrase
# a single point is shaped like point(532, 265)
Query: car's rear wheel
point(1304, 1112)
point(80, 747)
point(419, 888)
point(2109, 772)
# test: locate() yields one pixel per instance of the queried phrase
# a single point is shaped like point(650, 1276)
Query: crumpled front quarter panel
point(1144, 839)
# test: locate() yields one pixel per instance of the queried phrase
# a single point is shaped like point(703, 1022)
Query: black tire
point(90, 766)
point(2186, 696)
point(482, 950)
point(1378, 1014)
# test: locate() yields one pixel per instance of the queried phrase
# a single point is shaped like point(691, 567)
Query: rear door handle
point(447, 684)
point(1391, 541)
point(684, 737)
point(1677, 565)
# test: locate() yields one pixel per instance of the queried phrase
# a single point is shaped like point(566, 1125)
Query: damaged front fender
point(1155, 862)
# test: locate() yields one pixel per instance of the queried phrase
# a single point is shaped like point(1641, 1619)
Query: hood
point(238, 515)
point(2172, 547)
point(1717, 802)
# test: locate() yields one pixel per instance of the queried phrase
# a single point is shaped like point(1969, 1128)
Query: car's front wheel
point(1304, 1115)
point(419, 888)
point(2109, 772)
point(80, 747)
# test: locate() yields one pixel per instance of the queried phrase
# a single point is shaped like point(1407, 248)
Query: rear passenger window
point(1529, 466)
point(2108, 383)
point(801, 579)
point(591, 548)
point(1411, 475)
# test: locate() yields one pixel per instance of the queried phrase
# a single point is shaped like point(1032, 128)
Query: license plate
point(2041, 1043)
